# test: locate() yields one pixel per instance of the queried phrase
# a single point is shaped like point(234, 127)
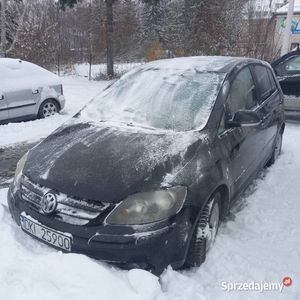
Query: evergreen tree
point(152, 20)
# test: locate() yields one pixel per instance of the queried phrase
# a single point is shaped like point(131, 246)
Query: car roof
point(16, 75)
point(218, 64)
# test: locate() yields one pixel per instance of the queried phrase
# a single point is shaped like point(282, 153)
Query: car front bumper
point(152, 246)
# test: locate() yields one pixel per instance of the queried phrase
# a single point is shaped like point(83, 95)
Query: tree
point(12, 15)
point(153, 26)
point(109, 32)
point(3, 28)
point(127, 31)
point(259, 38)
point(38, 35)
point(187, 27)
point(109, 28)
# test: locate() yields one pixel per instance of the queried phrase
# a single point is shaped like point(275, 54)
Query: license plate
point(50, 236)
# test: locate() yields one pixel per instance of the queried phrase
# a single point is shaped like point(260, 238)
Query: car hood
point(106, 163)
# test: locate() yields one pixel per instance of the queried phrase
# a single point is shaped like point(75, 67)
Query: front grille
point(72, 210)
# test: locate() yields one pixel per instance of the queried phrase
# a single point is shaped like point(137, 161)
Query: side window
point(289, 66)
point(263, 78)
point(222, 124)
point(242, 94)
point(272, 80)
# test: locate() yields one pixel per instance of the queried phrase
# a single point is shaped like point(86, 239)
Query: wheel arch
point(223, 191)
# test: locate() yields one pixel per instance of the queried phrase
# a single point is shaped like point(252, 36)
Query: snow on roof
point(200, 63)
point(16, 75)
point(284, 9)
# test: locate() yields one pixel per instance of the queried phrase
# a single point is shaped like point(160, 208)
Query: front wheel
point(48, 108)
point(205, 232)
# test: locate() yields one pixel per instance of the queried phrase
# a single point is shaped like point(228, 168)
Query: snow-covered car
point(143, 174)
point(287, 70)
point(28, 91)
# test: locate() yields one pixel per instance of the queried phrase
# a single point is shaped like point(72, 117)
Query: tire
point(277, 149)
point(48, 108)
point(205, 232)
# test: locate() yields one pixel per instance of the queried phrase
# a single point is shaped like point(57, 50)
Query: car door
point(287, 71)
point(3, 107)
point(271, 103)
point(22, 102)
point(246, 143)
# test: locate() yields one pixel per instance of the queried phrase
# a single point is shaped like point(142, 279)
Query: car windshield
point(178, 100)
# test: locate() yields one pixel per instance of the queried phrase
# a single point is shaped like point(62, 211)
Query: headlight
point(19, 169)
point(148, 207)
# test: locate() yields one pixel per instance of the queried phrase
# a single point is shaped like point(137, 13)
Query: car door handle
point(35, 92)
point(263, 120)
point(2, 97)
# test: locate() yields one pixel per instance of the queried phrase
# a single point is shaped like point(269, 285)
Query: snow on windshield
point(167, 99)
point(16, 75)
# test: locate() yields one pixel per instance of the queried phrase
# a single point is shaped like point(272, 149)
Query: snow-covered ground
point(83, 70)
point(261, 244)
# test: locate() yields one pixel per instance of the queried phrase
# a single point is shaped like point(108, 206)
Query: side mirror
point(244, 118)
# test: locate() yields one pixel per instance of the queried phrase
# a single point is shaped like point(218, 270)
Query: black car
point(143, 174)
point(287, 70)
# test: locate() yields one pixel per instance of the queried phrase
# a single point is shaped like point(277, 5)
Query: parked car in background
point(143, 174)
point(287, 70)
point(28, 91)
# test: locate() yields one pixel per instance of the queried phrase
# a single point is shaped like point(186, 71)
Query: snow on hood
point(16, 75)
point(107, 163)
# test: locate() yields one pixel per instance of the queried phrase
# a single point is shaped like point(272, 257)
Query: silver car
point(28, 91)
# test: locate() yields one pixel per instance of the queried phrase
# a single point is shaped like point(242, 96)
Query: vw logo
point(49, 203)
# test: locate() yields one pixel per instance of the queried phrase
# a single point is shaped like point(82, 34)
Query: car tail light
point(61, 89)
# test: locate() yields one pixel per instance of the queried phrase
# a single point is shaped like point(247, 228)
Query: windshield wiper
point(130, 124)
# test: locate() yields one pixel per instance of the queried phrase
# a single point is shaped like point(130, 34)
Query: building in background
point(281, 15)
